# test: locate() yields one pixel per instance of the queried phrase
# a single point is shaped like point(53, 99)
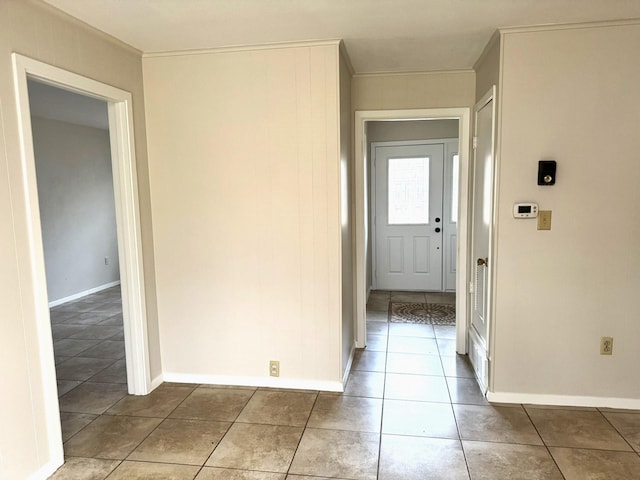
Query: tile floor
point(411, 410)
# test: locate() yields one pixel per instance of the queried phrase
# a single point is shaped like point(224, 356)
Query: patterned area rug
point(427, 313)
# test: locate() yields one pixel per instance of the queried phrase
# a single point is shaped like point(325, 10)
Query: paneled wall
point(246, 194)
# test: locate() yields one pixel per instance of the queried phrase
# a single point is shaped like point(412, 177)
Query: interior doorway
point(129, 244)
point(364, 250)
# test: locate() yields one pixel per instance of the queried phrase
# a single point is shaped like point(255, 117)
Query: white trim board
point(272, 382)
point(463, 115)
point(38, 338)
point(564, 400)
point(84, 293)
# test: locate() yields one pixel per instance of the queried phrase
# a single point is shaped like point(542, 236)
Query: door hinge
point(475, 142)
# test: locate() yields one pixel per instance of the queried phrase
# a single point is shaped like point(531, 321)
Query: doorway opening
point(129, 245)
point(434, 157)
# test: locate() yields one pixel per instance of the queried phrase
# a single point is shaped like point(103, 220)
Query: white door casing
point(38, 336)
point(408, 225)
point(362, 117)
point(481, 258)
point(451, 194)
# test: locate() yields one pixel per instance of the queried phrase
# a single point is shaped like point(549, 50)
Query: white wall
point(77, 210)
point(41, 32)
point(571, 95)
point(245, 179)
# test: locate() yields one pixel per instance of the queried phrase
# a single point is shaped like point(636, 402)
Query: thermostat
point(525, 210)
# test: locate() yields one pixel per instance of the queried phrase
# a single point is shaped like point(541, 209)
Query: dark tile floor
point(411, 410)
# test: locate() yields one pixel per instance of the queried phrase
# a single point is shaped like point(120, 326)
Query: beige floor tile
point(106, 349)
point(416, 387)
point(89, 318)
point(376, 343)
point(95, 332)
point(115, 373)
point(76, 468)
point(80, 368)
point(59, 359)
point(369, 361)
point(93, 398)
point(505, 461)
point(420, 419)
point(110, 437)
point(377, 328)
point(495, 424)
point(445, 331)
point(65, 386)
point(577, 429)
point(581, 464)
point(223, 404)
point(346, 413)
point(187, 442)
point(159, 403)
point(339, 454)
point(365, 384)
point(407, 297)
point(307, 477)
point(114, 320)
point(414, 364)
point(153, 471)
point(419, 345)
point(377, 316)
point(458, 366)
point(411, 330)
point(413, 458)
point(69, 347)
point(60, 330)
point(267, 448)
point(212, 473)
point(72, 423)
point(441, 297)
point(466, 390)
point(278, 408)
point(446, 347)
point(628, 425)
point(378, 304)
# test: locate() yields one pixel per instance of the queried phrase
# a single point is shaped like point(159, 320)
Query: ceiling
point(380, 35)
point(57, 104)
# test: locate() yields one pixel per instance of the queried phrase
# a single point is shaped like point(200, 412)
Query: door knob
point(483, 261)
point(437, 219)
point(438, 230)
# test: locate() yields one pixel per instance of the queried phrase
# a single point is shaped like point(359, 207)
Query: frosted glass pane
point(454, 188)
point(408, 191)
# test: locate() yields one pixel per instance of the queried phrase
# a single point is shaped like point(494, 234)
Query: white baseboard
point(564, 400)
point(78, 295)
point(273, 382)
point(47, 470)
point(156, 382)
point(347, 370)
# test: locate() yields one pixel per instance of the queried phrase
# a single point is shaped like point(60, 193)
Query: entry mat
point(427, 313)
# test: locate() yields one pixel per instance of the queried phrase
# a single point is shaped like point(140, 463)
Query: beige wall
point(487, 67)
point(245, 183)
point(571, 95)
point(419, 90)
point(40, 32)
point(347, 200)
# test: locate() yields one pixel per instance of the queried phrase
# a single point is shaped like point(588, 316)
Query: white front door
point(408, 217)
point(482, 212)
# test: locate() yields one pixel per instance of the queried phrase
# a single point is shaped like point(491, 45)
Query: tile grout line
point(304, 429)
point(542, 440)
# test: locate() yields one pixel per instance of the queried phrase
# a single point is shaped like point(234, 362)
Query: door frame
point(125, 185)
point(463, 115)
point(402, 143)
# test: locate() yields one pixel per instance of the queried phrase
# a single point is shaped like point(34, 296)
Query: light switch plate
point(544, 220)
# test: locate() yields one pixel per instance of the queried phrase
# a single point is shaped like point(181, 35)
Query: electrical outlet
point(544, 220)
point(606, 346)
point(274, 368)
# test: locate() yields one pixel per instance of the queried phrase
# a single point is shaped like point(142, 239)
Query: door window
point(408, 191)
